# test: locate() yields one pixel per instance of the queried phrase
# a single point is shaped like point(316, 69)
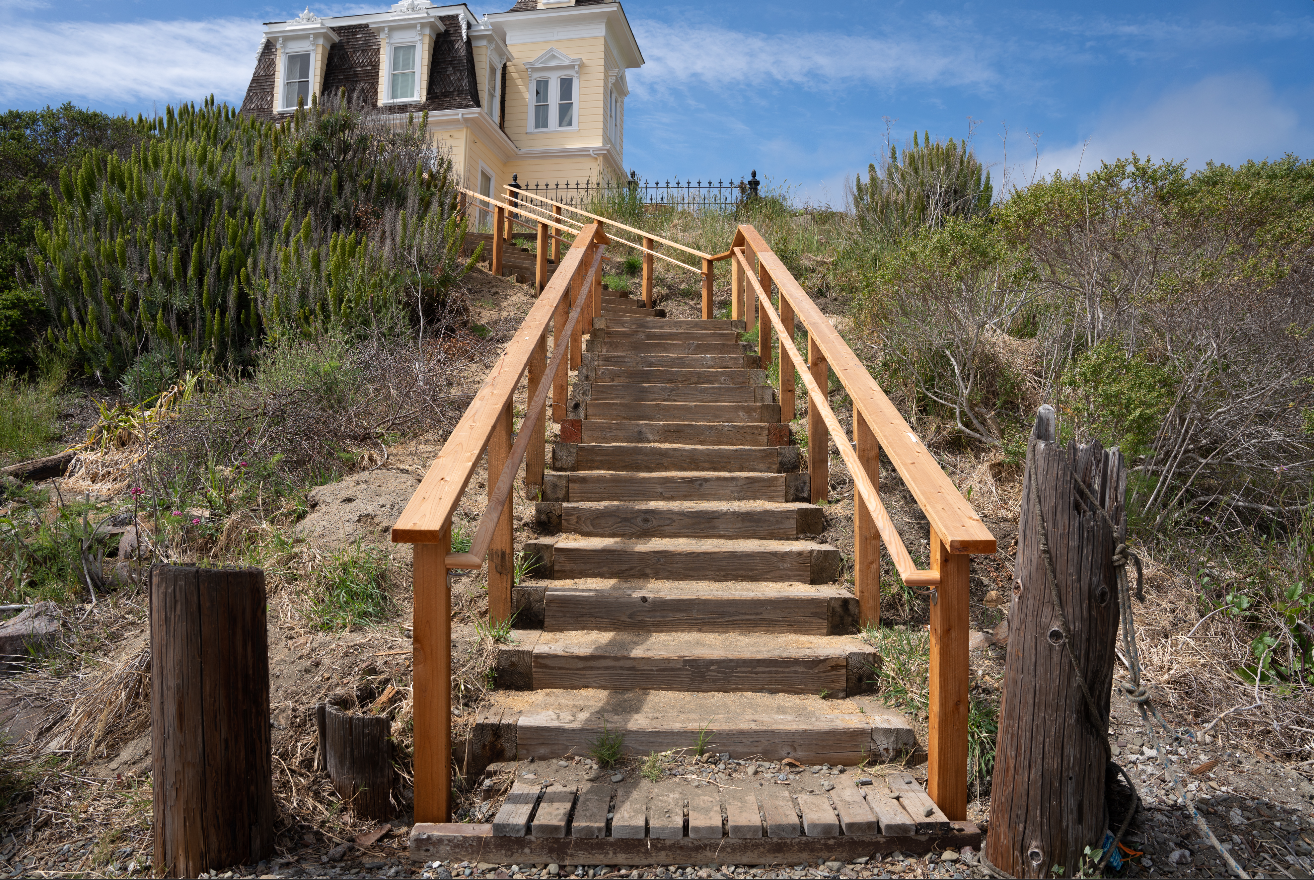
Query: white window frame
point(288, 54)
point(486, 215)
point(493, 91)
point(415, 92)
point(553, 66)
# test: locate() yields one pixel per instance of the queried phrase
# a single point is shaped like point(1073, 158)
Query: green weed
point(460, 538)
point(352, 589)
point(632, 266)
point(704, 739)
point(524, 566)
point(27, 416)
point(652, 767)
point(616, 282)
point(607, 748)
point(498, 633)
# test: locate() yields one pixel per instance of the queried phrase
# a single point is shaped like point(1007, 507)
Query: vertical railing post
point(786, 365)
point(818, 435)
point(866, 540)
point(576, 333)
point(534, 456)
point(541, 256)
point(595, 307)
point(763, 322)
point(560, 391)
point(946, 744)
point(709, 279)
point(556, 235)
point(736, 289)
point(500, 550)
point(647, 273)
point(498, 225)
point(431, 642)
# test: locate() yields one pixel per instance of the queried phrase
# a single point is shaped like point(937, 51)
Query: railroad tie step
point(628, 605)
point(688, 326)
point(684, 433)
point(625, 411)
point(717, 662)
point(668, 378)
point(650, 458)
point(624, 392)
point(680, 519)
point(770, 561)
point(674, 486)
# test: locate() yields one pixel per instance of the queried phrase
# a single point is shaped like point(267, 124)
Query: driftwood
point(1047, 798)
point(356, 752)
point(40, 468)
point(214, 797)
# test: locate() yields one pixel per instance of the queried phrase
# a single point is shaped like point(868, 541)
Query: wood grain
point(894, 819)
point(590, 820)
point(781, 817)
point(626, 485)
point(818, 433)
point(682, 412)
point(432, 685)
point(927, 816)
point(666, 815)
point(603, 519)
point(553, 812)
point(743, 821)
point(855, 816)
point(784, 675)
point(667, 377)
point(679, 433)
point(641, 457)
point(501, 550)
point(358, 758)
point(630, 821)
point(649, 610)
point(866, 538)
point(580, 559)
point(704, 816)
point(818, 817)
point(743, 394)
point(512, 820)
point(946, 740)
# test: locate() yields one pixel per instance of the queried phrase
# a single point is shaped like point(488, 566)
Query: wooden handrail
point(496, 204)
point(903, 562)
point(431, 507)
point(640, 232)
point(948, 511)
point(474, 559)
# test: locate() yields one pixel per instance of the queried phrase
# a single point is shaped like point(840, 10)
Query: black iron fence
point(699, 195)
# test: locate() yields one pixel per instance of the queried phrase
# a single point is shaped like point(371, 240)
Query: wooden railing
point(956, 532)
point(568, 301)
point(567, 304)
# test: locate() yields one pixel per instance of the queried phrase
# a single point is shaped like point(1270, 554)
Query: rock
point(554, 870)
point(1234, 816)
point(28, 634)
point(977, 641)
point(363, 506)
point(752, 769)
point(339, 852)
point(834, 866)
point(1180, 857)
point(948, 856)
point(1146, 862)
point(828, 786)
point(618, 777)
point(999, 635)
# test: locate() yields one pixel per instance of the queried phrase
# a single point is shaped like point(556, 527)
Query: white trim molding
point(553, 66)
point(305, 34)
point(411, 22)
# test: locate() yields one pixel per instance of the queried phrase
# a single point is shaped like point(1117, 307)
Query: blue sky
point(804, 94)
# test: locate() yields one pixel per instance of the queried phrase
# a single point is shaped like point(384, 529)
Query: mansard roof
point(530, 5)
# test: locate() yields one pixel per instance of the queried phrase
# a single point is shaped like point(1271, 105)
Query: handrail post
point(709, 277)
point(431, 642)
point(576, 340)
point(736, 291)
point(946, 744)
point(786, 365)
point(534, 457)
point(763, 322)
point(595, 307)
point(541, 256)
point(818, 436)
point(498, 224)
point(647, 273)
point(500, 565)
point(866, 540)
point(556, 236)
point(560, 389)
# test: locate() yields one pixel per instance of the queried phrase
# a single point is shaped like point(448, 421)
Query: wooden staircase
point(518, 262)
point(680, 565)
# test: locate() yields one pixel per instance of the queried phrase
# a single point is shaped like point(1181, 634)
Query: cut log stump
point(357, 754)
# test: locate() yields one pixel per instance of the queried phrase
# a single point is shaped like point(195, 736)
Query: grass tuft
point(352, 589)
point(606, 749)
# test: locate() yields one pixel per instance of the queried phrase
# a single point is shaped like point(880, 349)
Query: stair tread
point(656, 545)
point(657, 587)
point(697, 646)
point(707, 505)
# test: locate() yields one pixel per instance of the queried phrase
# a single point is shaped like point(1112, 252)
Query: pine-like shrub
point(219, 231)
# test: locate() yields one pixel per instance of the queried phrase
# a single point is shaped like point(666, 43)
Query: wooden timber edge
point(477, 843)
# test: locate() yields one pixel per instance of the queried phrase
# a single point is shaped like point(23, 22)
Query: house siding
point(592, 80)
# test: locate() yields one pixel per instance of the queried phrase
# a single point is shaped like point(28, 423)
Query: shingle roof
point(353, 64)
point(529, 5)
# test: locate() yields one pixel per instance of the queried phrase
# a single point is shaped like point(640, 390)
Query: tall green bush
point(219, 231)
point(925, 186)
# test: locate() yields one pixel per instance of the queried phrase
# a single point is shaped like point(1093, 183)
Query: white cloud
point(1229, 118)
point(678, 55)
point(129, 62)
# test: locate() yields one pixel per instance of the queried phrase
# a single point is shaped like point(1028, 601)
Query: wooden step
point(693, 606)
point(649, 458)
point(684, 325)
point(658, 393)
point(597, 360)
point(683, 661)
point(664, 335)
point(685, 433)
point(673, 559)
point(621, 306)
point(681, 412)
point(680, 519)
point(674, 486)
point(547, 724)
point(606, 375)
point(696, 347)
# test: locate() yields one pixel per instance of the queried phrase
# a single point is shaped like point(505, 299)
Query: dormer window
point(402, 75)
point(296, 79)
point(554, 79)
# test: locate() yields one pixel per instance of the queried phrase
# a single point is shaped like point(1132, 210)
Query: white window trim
point(310, 77)
point(552, 65)
point(306, 33)
point(392, 46)
point(492, 194)
point(495, 63)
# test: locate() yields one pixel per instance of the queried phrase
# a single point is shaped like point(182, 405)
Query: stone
point(554, 869)
point(29, 633)
point(339, 852)
point(834, 866)
point(1234, 816)
point(999, 635)
point(828, 785)
point(948, 856)
point(977, 641)
point(1180, 857)
point(618, 777)
point(363, 507)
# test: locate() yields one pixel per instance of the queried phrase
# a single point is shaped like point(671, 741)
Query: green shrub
point(632, 265)
point(616, 282)
point(1117, 398)
point(22, 324)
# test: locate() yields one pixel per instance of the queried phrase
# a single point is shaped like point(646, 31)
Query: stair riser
point(809, 675)
point(600, 376)
point(596, 486)
point(616, 392)
point(634, 612)
point(642, 458)
point(726, 337)
point(667, 325)
point(682, 412)
point(671, 348)
point(541, 739)
point(811, 566)
point(684, 433)
point(636, 521)
point(603, 360)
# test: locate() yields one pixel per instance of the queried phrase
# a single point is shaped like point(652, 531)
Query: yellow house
point(537, 91)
